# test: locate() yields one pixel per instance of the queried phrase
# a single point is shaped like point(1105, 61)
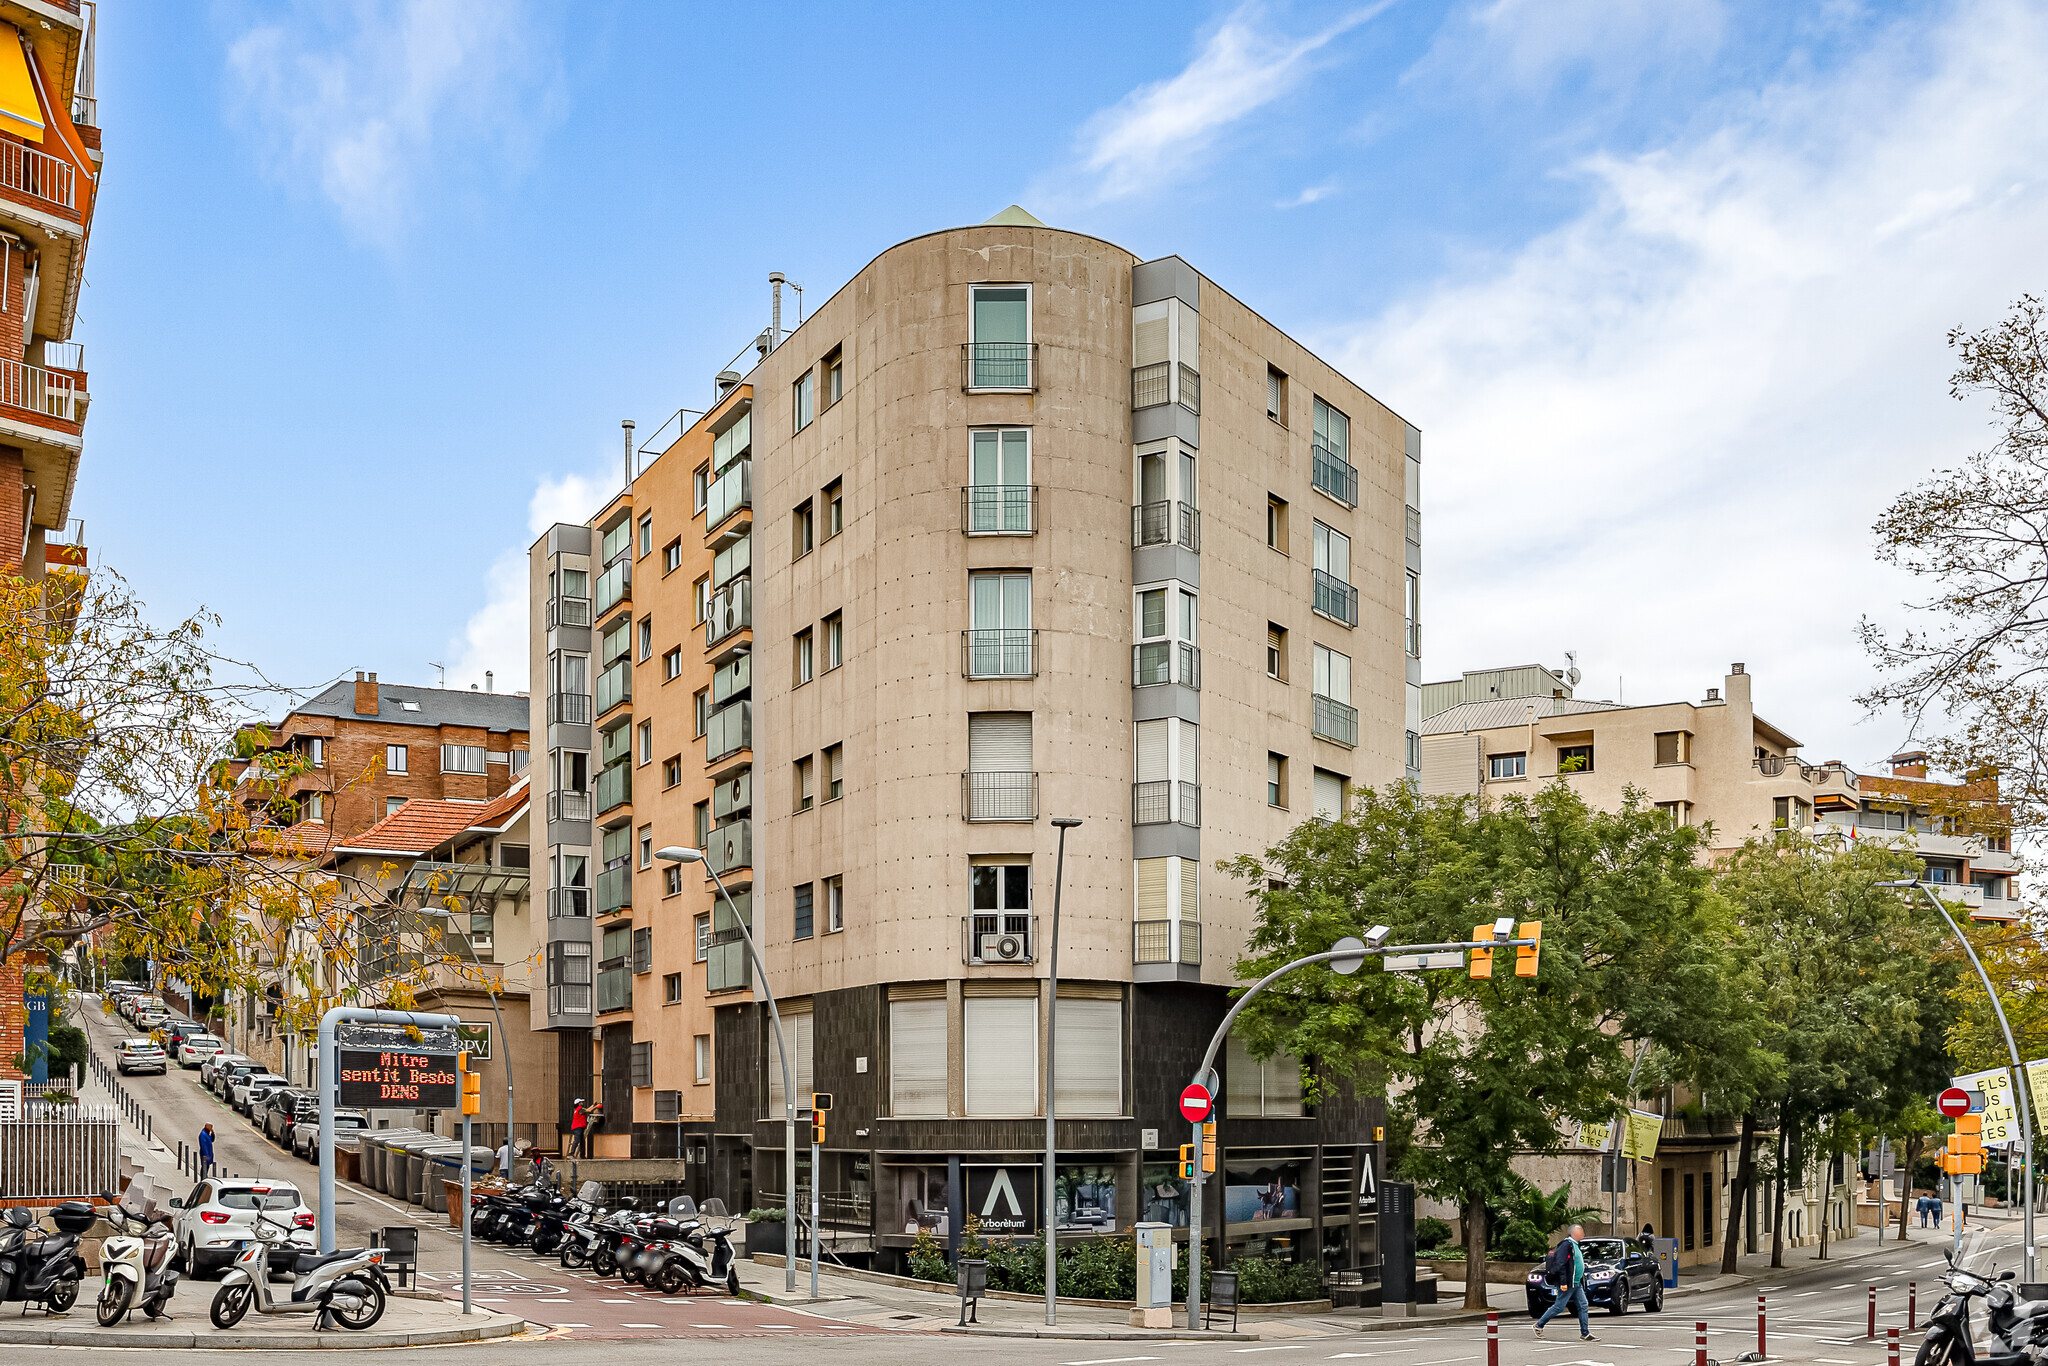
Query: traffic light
point(472, 1086)
point(1482, 959)
point(1187, 1161)
point(818, 1127)
point(1209, 1146)
point(1966, 1146)
point(1525, 957)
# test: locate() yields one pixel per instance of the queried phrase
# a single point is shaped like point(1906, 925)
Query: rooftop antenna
point(442, 670)
point(627, 425)
point(776, 280)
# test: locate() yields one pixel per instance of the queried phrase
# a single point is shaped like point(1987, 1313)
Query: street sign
point(1953, 1102)
point(1196, 1103)
point(1344, 967)
point(393, 1078)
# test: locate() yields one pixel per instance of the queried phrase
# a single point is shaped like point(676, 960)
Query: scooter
point(686, 1265)
point(579, 1227)
point(2016, 1326)
point(136, 1261)
point(612, 1233)
point(346, 1287)
point(44, 1270)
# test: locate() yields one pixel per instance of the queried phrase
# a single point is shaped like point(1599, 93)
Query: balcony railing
point(568, 612)
point(614, 986)
point(1335, 598)
point(999, 509)
point(998, 937)
point(568, 806)
point(999, 796)
point(999, 365)
point(569, 708)
point(569, 903)
point(732, 846)
point(39, 175)
point(1166, 523)
point(1153, 942)
point(614, 586)
point(728, 730)
point(1153, 386)
point(1334, 475)
point(49, 392)
point(614, 786)
point(1191, 942)
point(729, 493)
point(999, 654)
point(1155, 803)
point(1166, 661)
point(731, 610)
point(1336, 721)
point(614, 686)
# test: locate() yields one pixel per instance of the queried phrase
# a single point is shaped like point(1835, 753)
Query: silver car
point(140, 1055)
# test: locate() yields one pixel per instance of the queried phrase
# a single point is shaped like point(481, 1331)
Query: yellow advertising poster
point(1639, 1139)
point(2037, 1087)
point(2001, 1119)
point(1594, 1136)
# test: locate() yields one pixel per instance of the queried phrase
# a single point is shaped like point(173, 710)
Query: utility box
point(1398, 1296)
point(1154, 1307)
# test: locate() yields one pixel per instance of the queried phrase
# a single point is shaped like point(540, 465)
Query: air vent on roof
point(410, 706)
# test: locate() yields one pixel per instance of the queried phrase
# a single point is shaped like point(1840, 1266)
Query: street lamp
point(2012, 1051)
point(1052, 1007)
point(680, 854)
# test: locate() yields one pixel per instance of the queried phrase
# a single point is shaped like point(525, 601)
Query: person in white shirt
point(505, 1160)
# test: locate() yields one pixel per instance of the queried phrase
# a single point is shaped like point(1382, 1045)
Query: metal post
point(814, 1217)
point(1614, 1147)
point(1492, 1337)
point(1761, 1349)
point(1912, 1305)
point(328, 1085)
point(465, 1214)
point(1052, 1007)
point(1891, 1347)
point(1870, 1328)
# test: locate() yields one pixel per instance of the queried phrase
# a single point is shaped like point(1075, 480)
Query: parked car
point(219, 1215)
point(141, 1004)
point(198, 1048)
point(209, 1071)
point(283, 1108)
point(152, 1019)
point(139, 1055)
point(1619, 1272)
point(226, 1076)
point(175, 1034)
point(306, 1133)
point(251, 1087)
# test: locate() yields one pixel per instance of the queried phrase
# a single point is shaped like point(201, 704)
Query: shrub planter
point(1497, 1273)
point(766, 1238)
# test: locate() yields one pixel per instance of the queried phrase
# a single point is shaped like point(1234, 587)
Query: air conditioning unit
point(1003, 948)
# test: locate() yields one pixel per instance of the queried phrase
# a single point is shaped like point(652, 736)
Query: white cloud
point(1158, 131)
point(1659, 433)
point(1308, 196)
point(366, 100)
point(1526, 45)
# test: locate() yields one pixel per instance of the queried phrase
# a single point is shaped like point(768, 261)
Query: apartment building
point(1015, 525)
point(49, 187)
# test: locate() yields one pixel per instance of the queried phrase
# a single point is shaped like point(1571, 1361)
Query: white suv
point(139, 1055)
point(194, 1051)
point(219, 1215)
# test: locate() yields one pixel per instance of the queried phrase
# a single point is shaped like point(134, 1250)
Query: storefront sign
point(393, 1078)
point(1368, 1184)
point(1003, 1199)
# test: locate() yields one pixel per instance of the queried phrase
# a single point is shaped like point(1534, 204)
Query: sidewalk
point(406, 1323)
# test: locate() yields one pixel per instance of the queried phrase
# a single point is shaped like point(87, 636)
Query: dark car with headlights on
point(1619, 1272)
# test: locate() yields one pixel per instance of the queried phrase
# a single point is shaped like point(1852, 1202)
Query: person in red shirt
point(579, 1124)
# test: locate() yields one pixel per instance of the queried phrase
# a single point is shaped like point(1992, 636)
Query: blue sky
point(1665, 284)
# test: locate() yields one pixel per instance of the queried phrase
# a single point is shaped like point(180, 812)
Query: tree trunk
point(1912, 1146)
point(1738, 1194)
point(1475, 1252)
point(1778, 1214)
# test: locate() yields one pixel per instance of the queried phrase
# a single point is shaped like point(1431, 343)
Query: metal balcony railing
point(986, 930)
point(614, 890)
point(568, 612)
point(1336, 721)
point(38, 175)
point(1333, 474)
point(999, 796)
point(1166, 661)
point(614, 786)
point(999, 365)
point(1166, 523)
point(569, 708)
point(1153, 385)
point(999, 654)
point(49, 392)
point(1335, 598)
point(568, 806)
point(1152, 941)
point(1165, 802)
point(568, 902)
point(999, 509)
point(614, 586)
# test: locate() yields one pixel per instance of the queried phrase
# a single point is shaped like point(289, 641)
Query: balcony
point(732, 679)
point(1333, 474)
point(38, 175)
point(728, 730)
point(569, 708)
point(733, 797)
point(614, 686)
point(732, 847)
point(568, 903)
point(1153, 386)
point(1166, 661)
point(999, 509)
point(999, 796)
point(1334, 598)
point(614, 786)
point(731, 610)
point(568, 612)
point(1006, 367)
point(1165, 803)
point(53, 399)
point(1167, 523)
point(614, 986)
point(1335, 721)
point(999, 654)
point(614, 890)
point(568, 806)
point(729, 493)
point(614, 586)
point(1152, 941)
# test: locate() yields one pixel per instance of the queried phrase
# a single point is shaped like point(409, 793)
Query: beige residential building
point(1015, 525)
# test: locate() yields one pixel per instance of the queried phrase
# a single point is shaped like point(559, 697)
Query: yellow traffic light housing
point(1525, 956)
point(472, 1086)
point(1209, 1146)
point(1482, 959)
point(1187, 1161)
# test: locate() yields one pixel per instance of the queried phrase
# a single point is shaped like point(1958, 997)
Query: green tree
point(1483, 1070)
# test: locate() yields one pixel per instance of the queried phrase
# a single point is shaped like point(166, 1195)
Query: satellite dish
point(1572, 677)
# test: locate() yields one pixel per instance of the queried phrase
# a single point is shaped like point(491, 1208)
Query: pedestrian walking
point(579, 1125)
point(1564, 1270)
point(206, 1152)
point(505, 1160)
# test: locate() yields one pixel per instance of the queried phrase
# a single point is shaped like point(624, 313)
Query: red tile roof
point(414, 828)
point(503, 806)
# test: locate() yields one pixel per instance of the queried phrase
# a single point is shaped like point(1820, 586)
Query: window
point(804, 393)
point(671, 770)
point(1331, 471)
point(646, 650)
point(835, 376)
point(672, 664)
point(672, 556)
point(917, 1057)
point(835, 510)
point(391, 805)
point(395, 757)
point(703, 825)
point(1166, 622)
point(1788, 813)
point(1276, 396)
point(1276, 523)
point(1329, 794)
point(1253, 1087)
point(643, 1063)
point(700, 484)
point(803, 783)
point(1000, 785)
point(703, 1059)
point(1679, 813)
point(647, 534)
point(835, 904)
point(835, 776)
point(835, 641)
point(1001, 901)
point(703, 711)
point(801, 904)
point(1276, 652)
point(462, 759)
point(1674, 747)
point(646, 742)
point(1507, 765)
point(1088, 1046)
point(703, 937)
point(643, 950)
point(999, 641)
point(800, 650)
point(1000, 354)
point(1002, 1055)
point(1332, 675)
point(646, 846)
point(999, 478)
point(568, 978)
point(1334, 596)
point(672, 989)
point(316, 752)
point(672, 880)
point(1575, 758)
point(797, 1026)
point(800, 530)
point(1276, 780)
point(1414, 624)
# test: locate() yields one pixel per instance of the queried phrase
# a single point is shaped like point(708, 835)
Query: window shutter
point(999, 742)
point(1149, 345)
point(917, 1057)
point(1151, 889)
point(1152, 751)
point(1190, 767)
point(1283, 1084)
point(1002, 1056)
point(1090, 1050)
point(797, 1029)
point(1329, 795)
point(1190, 904)
point(1243, 1097)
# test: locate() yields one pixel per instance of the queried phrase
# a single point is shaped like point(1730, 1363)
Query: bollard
point(1891, 1347)
point(1912, 1304)
point(1761, 1349)
point(1492, 1337)
point(1870, 1329)
point(1699, 1343)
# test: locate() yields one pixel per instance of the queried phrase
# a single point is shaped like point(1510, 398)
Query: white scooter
point(137, 1260)
point(347, 1286)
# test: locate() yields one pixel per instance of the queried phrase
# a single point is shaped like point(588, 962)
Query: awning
point(20, 112)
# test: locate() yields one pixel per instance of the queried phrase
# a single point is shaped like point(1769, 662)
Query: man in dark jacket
point(1573, 1291)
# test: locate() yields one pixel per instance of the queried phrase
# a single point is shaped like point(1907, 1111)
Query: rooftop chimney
point(728, 380)
point(366, 694)
point(1713, 694)
point(1735, 668)
point(489, 685)
point(1911, 764)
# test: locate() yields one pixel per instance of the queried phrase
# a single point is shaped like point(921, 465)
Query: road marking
point(1292, 1347)
point(553, 1301)
point(615, 1301)
point(1442, 1360)
point(1850, 1286)
point(713, 1325)
point(1109, 1361)
point(1835, 1361)
point(572, 1325)
point(639, 1325)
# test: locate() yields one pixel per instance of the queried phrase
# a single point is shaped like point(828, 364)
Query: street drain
point(903, 1316)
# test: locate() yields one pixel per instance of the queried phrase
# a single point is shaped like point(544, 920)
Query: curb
point(94, 1336)
point(1099, 1334)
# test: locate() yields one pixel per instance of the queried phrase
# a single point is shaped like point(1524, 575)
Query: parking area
point(582, 1305)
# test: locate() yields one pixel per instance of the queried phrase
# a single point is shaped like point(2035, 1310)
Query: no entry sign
point(1953, 1102)
point(1196, 1103)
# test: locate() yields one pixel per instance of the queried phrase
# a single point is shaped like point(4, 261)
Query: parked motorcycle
point(580, 1234)
point(45, 1270)
point(346, 1287)
point(2019, 1329)
point(613, 1231)
point(686, 1263)
point(136, 1262)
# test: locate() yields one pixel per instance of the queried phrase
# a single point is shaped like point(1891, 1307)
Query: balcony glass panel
point(731, 611)
point(728, 730)
point(614, 586)
point(729, 493)
point(614, 685)
point(614, 890)
point(614, 787)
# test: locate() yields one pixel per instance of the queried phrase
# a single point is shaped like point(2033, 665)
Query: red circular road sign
point(1196, 1103)
point(1952, 1102)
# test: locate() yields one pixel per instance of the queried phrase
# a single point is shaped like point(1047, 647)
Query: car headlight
point(1601, 1276)
point(1535, 1278)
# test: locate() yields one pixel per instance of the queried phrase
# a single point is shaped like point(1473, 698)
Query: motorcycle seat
point(313, 1261)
